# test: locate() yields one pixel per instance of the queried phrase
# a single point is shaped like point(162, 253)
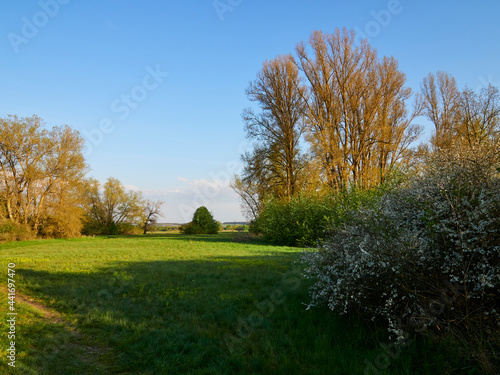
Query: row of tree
point(44, 190)
point(110, 209)
point(336, 117)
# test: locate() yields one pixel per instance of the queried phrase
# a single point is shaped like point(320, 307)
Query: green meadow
point(176, 304)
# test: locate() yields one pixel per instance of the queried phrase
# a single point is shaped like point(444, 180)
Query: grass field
point(175, 304)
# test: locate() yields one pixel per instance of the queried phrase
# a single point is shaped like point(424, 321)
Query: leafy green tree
point(202, 223)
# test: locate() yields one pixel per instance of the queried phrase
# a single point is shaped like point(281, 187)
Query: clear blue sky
point(157, 87)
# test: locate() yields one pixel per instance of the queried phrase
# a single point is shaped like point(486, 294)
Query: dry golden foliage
point(357, 122)
point(40, 175)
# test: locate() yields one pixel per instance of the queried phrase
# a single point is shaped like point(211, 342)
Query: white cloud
point(180, 203)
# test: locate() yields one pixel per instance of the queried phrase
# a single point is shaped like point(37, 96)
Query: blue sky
point(157, 87)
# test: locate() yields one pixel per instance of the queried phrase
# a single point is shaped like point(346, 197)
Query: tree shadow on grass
point(161, 316)
point(226, 315)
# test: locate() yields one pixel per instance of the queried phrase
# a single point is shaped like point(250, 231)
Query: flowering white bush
point(427, 256)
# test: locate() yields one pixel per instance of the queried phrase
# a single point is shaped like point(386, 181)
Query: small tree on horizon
point(202, 223)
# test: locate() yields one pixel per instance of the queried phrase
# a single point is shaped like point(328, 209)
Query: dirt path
point(89, 352)
point(47, 313)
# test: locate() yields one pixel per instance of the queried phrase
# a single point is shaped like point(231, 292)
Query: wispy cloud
point(181, 202)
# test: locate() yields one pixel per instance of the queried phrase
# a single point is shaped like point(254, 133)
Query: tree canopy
point(109, 209)
point(41, 174)
point(333, 117)
point(202, 223)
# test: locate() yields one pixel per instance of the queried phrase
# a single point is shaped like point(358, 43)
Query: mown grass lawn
point(175, 304)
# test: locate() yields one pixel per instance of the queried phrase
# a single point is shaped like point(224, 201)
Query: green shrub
point(7, 227)
point(10, 231)
point(202, 223)
point(304, 220)
point(192, 228)
point(255, 226)
point(298, 222)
